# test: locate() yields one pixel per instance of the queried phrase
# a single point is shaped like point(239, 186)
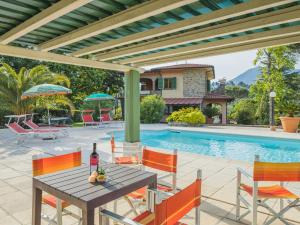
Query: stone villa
point(184, 85)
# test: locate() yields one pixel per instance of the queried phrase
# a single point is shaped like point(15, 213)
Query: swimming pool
point(239, 147)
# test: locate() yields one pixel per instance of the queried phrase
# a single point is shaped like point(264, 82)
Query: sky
point(228, 66)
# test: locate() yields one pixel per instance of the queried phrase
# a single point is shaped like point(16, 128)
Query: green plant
point(13, 84)
point(118, 114)
point(210, 111)
point(243, 112)
point(290, 108)
point(152, 109)
point(189, 115)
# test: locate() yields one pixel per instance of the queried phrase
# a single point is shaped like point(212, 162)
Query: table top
point(72, 185)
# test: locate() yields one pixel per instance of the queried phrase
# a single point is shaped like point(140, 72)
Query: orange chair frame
point(267, 171)
point(167, 211)
point(41, 165)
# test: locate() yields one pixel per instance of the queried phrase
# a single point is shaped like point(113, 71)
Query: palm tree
point(13, 84)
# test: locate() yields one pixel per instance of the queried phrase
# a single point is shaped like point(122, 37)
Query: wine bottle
point(94, 159)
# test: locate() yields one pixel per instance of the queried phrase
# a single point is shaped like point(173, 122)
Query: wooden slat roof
point(134, 33)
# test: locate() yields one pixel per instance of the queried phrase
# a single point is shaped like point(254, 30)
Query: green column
point(132, 106)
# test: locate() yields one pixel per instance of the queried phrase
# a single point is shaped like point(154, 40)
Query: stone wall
point(194, 83)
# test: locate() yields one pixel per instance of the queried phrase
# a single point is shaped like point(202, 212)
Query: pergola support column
point(132, 106)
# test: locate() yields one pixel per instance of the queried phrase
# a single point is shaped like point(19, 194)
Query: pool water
point(238, 147)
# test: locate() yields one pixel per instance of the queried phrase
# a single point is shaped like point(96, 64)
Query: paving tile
point(9, 220)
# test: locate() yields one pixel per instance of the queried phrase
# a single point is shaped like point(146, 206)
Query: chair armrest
point(245, 173)
point(160, 193)
point(126, 152)
point(118, 218)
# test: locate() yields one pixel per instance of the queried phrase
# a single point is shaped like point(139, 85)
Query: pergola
point(125, 35)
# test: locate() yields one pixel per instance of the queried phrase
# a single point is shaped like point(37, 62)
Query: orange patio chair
point(159, 161)
point(268, 172)
point(42, 165)
point(118, 157)
point(168, 211)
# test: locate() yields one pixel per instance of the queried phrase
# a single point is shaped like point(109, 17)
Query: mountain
point(250, 76)
point(247, 77)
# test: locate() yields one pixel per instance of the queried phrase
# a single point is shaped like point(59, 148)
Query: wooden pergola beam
point(226, 50)
point(136, 13)
point(53, 12)
point(287, 31)
point(260, 21)
point(52, 57)
point(215, 16)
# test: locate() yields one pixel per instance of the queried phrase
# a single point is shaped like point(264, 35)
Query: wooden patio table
point(72, 186)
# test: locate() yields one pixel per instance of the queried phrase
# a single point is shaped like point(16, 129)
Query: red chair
point(170, 211)
point(42, 165)
point(87, 118)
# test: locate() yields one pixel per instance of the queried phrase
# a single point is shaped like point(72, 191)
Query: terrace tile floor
point(219, 174)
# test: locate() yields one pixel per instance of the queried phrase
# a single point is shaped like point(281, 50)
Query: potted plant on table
point(210, 112)
point(290, 123)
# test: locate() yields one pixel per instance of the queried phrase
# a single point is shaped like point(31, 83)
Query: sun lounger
point(35, 127)
point(23, 133)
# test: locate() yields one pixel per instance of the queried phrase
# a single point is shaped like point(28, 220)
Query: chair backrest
point(17, 128)
point(171, 210)
point(159, 160)
point(87, 118)
point(106, 117)
point(284, 172)
point(31, 124)
point(43, 165)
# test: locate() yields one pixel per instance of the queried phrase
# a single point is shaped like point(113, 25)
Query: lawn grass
point(78, 124)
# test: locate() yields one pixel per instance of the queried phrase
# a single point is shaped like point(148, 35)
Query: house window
point(165, 83)
point(170, 83)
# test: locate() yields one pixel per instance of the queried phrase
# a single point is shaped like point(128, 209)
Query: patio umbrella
point(46, 90)
point(99, 97)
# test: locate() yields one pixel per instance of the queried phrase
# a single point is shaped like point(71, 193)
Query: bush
point(210, 111)
point(192, 116)
point(118, 114)
point(243, 112)
point(4, 112)
point(152, 109)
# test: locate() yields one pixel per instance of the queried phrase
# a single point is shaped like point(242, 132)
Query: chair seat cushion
point(51, 200)
point(141, 193)
point(275, 191)
point(147, 218)
point(126, 160)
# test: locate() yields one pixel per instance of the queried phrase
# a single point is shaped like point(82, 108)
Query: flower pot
point(209, 120)
point(290, 124)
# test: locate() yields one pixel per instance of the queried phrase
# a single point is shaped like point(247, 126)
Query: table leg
point(59, 211)
point(36, 205)
point(88, 217)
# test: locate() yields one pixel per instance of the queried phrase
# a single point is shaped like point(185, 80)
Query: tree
point(13, 83)
point(152, 109)
point(243, 112)
point(83, 80)
point(274, 63)
point(236, 91)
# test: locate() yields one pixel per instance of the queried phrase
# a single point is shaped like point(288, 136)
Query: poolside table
point(72, 186)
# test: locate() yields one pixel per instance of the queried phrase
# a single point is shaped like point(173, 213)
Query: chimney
point(221, 88)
